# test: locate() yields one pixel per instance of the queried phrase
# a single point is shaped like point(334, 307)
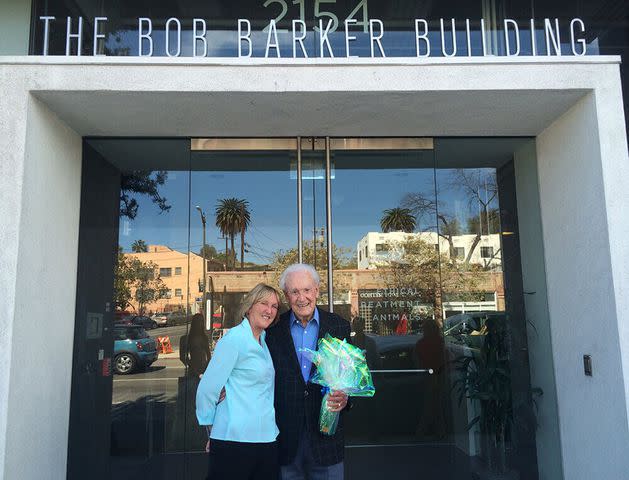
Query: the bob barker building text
point(456, 172)
point(175, 37)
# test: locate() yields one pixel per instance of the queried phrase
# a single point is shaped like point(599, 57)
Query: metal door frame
point(329, 144)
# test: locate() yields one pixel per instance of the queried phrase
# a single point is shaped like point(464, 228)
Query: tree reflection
point(136, 280)
point(233, 217)
point(141, 183)
point(478, 190)
point(419, 264)
point(398, 220)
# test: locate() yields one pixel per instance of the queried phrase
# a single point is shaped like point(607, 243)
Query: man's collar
point(315, 317)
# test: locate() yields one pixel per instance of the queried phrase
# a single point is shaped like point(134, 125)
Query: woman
point(430, 352)
point(195, 348)
point(194, 353)
point(241, 428)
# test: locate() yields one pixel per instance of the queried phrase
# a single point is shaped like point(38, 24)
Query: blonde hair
point(257, 294)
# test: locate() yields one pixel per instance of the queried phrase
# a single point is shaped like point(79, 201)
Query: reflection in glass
point(472, 282)
point(484, 327)
point(192, 242)
point(426, 267)
point(242, 229)
point(315, 248)
point(388, 287)
point(151, 285)
point(432, 298)
point(469, 233)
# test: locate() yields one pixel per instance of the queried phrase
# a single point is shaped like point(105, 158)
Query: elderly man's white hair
point(298, 268)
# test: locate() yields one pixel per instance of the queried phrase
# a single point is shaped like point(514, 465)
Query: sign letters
point(334, 37)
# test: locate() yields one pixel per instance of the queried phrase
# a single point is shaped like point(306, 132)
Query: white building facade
point(378, 249)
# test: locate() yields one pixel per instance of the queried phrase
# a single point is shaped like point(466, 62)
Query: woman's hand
point(208, 430)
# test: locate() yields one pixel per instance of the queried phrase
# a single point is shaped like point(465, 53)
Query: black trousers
point(243, 461)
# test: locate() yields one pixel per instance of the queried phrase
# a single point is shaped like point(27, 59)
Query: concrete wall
point(38, 351)
point(15, 26)
point(541, 361)
point(587, 300)
point(574, 106)
point(12, 146)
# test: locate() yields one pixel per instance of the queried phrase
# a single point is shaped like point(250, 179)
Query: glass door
point(416, 242)
point(426, 268)
point(243, 228)
point(388, 287)
point(202, 221)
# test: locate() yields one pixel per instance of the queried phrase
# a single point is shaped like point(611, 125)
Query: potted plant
point(484, 377)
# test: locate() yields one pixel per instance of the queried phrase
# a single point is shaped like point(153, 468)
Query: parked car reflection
point(143, 321)
point(133, 349)
point(168, 319)
point(161, 319)
point(123, 317)
point(468, 329)
point(390, 352)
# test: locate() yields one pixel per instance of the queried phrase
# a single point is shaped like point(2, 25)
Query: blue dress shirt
point(304, 338)
point(244, 367)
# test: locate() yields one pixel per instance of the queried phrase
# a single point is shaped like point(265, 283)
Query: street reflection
point(418, 272)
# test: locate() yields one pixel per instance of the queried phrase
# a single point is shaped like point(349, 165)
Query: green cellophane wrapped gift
point(340, 367)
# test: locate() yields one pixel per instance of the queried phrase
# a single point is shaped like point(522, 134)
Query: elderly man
point(304, 451)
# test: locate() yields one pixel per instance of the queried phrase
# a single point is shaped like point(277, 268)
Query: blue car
point(133, 349)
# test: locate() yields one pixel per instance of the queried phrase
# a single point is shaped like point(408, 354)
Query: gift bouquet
point(340, 367)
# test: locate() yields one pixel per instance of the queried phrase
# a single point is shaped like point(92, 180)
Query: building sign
point(388, 311)
point(323, 34)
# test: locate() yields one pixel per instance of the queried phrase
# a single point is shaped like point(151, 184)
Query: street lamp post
point(208, 315)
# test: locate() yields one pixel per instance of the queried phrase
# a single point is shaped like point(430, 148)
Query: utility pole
point(208, 315)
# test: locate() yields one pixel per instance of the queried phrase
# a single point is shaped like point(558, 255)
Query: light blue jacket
point(244, 367)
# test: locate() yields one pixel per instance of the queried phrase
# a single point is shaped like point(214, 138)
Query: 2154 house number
point(321, 10)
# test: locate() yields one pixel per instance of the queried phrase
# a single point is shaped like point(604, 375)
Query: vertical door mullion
point(328, 216)
point(300, 217)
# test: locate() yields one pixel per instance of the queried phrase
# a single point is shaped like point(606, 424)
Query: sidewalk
point(174, 355)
